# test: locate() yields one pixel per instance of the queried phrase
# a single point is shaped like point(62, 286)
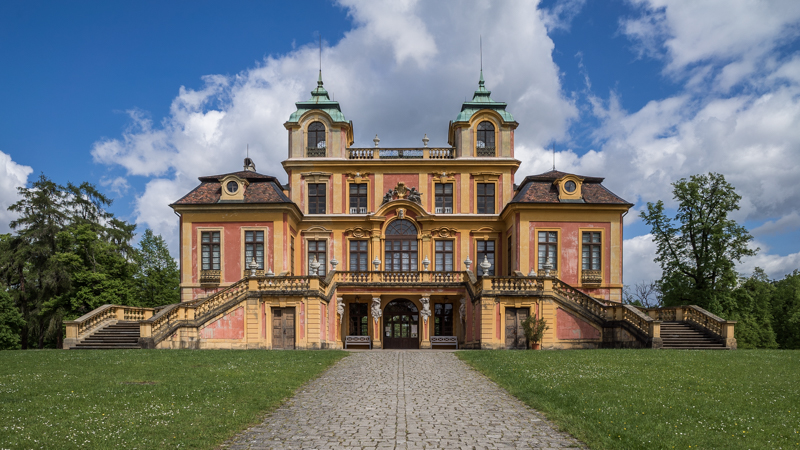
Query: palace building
point(398, 248)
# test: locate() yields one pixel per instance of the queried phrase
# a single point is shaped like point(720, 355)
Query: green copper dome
point(483, 100)
point(321, 101)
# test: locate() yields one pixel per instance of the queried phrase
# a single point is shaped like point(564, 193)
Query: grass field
point(143, 399)
point(658, 399)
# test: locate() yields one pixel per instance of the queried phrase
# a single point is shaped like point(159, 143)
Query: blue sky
point(142, 97)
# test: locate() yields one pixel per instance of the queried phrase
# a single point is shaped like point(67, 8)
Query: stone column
point(376, 314)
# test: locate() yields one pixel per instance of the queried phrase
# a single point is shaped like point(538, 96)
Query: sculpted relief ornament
point(426, 309)
point(402, 192)
point(376, 309)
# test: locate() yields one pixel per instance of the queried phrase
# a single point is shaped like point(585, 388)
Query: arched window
point(316, 139)
point(401, 246)
point(485, 143)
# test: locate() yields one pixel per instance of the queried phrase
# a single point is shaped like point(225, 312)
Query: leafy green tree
point(750, 305)
point(42, 211)
point(786, 311)
point(68, 255)
point(697, 249)
point(157, 277)
point(11, 321)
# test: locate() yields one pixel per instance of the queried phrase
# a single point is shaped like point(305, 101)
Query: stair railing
point(100, 317)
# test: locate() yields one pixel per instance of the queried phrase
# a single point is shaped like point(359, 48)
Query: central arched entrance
point(401, 325)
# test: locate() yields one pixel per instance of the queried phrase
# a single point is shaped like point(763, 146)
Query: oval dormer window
point(232, 187)
point(485, 141)
point(570, 186)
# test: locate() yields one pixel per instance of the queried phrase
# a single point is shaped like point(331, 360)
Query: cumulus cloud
point(638, 254)
point(401, 72)
point(405, 67)
point(12, 176)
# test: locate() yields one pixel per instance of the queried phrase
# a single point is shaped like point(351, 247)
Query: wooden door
point(283, 328)
point(515, 333)
point(401, 325)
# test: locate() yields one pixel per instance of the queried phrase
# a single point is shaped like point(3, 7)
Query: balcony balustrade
point(358, 210)
point(208, 276)
point(443, 210)
point(591, 277)
point(315, 152)
point(486, 151)
point(401, 153)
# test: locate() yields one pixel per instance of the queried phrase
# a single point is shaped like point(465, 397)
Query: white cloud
point(776, 266)
point(12, 176)
point(638, 254)
point(401, 72)
point(789, 222)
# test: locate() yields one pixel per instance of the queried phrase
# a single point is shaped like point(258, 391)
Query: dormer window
point(232, 187)
point(316, 140)
point(485, 141)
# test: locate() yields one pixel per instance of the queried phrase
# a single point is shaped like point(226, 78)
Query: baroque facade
point(398, 248)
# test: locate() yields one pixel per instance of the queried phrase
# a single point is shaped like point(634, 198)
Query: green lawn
point(658, 399)
point(144, 399)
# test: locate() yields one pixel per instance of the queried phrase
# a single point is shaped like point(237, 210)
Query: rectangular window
point(358, 319)
point(359, 261)
point(358, 198)
point(485, 198)
point(591, 250)
point(485, 251)
point(210, 250)
point(444, 256)
point(291, 257)
point(548, 249)
point(444, 198)
point(316, 249)
point(508, 256)
point(316, 198)
point(443, 319)
point(401, 255)
point(254, 245)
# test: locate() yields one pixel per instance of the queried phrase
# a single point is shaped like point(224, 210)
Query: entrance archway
point(401, 325)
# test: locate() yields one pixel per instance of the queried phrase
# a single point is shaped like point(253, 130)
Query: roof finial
point(480, 82)
point(319, 81)
point(554, 156)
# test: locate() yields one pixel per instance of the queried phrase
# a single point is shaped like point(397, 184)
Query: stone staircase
point(682, 336)
point(120, 335)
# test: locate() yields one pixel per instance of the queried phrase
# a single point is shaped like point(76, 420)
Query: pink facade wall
point(571, 327)
point(390, 181)
point(569, 237)
point(229, 326)
point(232, 247)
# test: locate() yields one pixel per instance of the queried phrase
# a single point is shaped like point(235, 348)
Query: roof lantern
point(482, 100)
point(320, 101)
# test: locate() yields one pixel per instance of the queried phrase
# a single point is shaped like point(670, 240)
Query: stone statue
point(388, 197)
point(340, 308)
point(426, 308)
point(462, 310)
point(376, 308)
point(414, 196)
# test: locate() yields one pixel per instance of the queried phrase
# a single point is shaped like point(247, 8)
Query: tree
point(786, 311)
point(750, 306)
point(157, 276)
point(644, 293)
point(68, 256)
point(11, 321)
point(697, 249)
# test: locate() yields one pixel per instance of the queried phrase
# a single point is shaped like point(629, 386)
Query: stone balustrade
point(157, 323)
point(103, 316)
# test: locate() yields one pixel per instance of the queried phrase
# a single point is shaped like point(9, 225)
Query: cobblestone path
point(403, 400)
